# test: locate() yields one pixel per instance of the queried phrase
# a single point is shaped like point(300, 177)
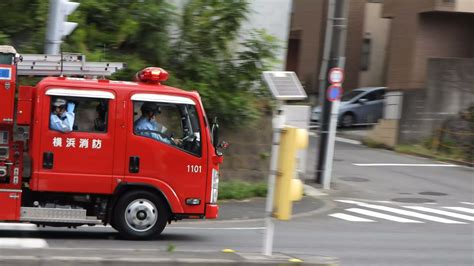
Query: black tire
point(140, 215)
point(347, 120)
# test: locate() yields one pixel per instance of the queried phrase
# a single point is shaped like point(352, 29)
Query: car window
point(372, 96)
point(350, 95)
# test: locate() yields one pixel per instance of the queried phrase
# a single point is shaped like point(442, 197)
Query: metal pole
point(330, 146)
point(53, 39)
point(337, 11)
point(278, 122)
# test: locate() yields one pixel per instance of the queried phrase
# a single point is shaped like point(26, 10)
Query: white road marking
point(461, 209)
point(22, 243)
point(402, 212)
point(446, 213)
point(17, 226)
point(350, 141)
point(469, 203)
point(382, 216)
point(215, 228)
point(406, 164)
point(348, 217)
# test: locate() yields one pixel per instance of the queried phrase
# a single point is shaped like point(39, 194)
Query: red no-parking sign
point(336, 75)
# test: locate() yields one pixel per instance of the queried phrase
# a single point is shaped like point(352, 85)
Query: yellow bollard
point(287, 187)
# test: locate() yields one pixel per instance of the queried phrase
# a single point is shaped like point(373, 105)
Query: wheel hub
point(141, 215)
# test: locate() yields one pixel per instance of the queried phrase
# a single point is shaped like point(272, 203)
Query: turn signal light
point(152, 75)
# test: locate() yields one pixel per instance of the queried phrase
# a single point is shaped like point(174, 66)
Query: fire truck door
point(77, 141)
point(165, 146)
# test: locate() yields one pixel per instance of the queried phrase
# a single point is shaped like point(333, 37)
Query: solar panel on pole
point(284, 85)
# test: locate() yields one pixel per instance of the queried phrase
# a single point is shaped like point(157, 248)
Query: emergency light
point(152, 75)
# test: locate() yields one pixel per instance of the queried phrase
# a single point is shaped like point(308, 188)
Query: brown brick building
point(393, 43)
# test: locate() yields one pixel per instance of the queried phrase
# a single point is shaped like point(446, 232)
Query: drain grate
point(413, 200)
point(431, 193)
point(354, 179)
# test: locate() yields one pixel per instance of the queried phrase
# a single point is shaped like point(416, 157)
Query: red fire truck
point(135, 155)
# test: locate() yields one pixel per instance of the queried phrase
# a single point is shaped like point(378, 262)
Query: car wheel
point(347, 120)
point(140, 215)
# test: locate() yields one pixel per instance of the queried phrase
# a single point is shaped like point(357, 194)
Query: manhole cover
point(354, 179)
point(404, 193)
point(338, 160)
point(430, 193)
point(413, 200)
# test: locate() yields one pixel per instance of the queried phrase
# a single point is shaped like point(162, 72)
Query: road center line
point(405, 164)
point(7, 242)
point(216, 228)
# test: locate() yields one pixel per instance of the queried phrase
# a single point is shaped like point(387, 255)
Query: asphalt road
point(383, 209)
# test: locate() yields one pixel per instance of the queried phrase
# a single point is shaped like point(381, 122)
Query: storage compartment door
point(10, 204)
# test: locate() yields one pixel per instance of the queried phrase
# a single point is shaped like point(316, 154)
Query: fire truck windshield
point(176, 124)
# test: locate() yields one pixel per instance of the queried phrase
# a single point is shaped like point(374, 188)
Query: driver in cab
point(147, 125)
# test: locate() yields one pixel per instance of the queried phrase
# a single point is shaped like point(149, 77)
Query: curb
point(51, 257)
point(463, 163)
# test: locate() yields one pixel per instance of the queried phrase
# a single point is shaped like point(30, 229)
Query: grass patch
point(237, 189)
point(420, 149)
point(374, 144)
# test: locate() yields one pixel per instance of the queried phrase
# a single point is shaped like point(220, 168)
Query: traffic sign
point(334, 92)
point(336, 75)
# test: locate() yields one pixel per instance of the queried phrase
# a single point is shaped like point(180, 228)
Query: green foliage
point(170, 248)
point(237, 189)
point(198, 46)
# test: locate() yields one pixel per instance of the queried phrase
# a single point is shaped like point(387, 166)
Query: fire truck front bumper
point(212, 210)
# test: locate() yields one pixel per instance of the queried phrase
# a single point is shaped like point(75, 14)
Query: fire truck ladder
point(66, 65)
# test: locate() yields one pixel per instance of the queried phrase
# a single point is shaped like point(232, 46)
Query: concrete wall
point(248, 155)
point(442, 35)
point(449, 90)
point(308, 27)
point(418, 33)
point(274, 17)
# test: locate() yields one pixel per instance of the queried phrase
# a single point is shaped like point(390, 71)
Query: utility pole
point(333, 56)
point(58, 26)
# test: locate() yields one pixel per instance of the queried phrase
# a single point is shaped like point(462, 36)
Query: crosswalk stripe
point(351, 218)
point(402, 212)
point(446, 213)
point(461, 209)
point(382, 216)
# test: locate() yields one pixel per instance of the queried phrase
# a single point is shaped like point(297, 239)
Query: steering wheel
point(155, 132)
point(190, 142)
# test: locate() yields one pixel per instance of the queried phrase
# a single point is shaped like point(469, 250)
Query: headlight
point(215, 185)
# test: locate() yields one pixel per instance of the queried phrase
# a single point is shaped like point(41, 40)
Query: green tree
point(199, 45)
point(207, 57)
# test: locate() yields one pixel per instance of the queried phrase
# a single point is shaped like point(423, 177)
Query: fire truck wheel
point(140, 215)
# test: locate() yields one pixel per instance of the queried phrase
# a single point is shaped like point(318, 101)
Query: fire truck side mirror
point(215, 137)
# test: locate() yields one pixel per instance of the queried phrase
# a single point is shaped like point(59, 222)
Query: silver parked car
point(360, 106)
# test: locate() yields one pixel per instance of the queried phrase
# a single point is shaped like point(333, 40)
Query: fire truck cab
point(75, 151)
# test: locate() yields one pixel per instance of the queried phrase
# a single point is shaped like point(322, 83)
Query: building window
point(365, 56)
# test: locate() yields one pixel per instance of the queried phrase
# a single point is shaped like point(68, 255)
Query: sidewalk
point(55, 257)
point(251, 209)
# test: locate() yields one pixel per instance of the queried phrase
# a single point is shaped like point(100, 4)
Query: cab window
point(173, 124)
point(78, 114)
